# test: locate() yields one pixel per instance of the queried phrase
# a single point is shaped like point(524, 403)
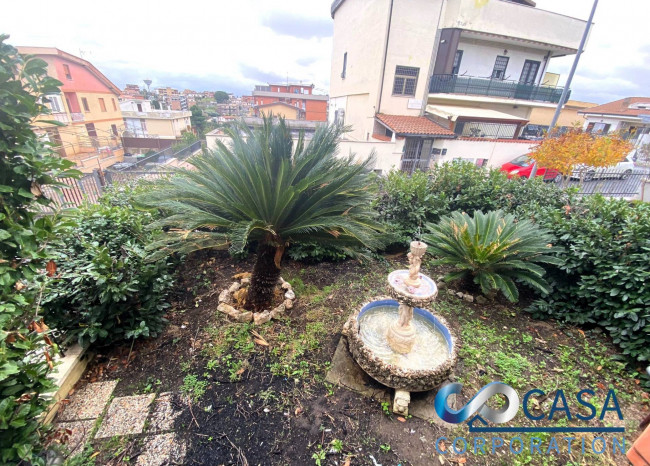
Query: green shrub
point(26, 165)
point(107, 290)
point(314, 252)
point(493, 250)
point(408, 202)
point(605, 274)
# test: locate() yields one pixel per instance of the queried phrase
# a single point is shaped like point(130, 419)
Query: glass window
point(406, 80)
point(457, 59)
point(500, 65)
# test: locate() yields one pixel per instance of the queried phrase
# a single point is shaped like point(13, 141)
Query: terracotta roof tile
point(412, 125)
point(620, 107)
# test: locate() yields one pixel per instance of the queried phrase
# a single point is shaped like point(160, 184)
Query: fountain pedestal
point(398, 341)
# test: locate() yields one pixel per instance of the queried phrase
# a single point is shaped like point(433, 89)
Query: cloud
point(261, 76)
point(298, 26)
point(306, 61)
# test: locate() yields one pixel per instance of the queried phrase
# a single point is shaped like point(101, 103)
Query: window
point(406, 79)
point(90, 128)
point(114, 129)
point(66, 70)
point(500, 65)
point(139, 107)
point(102, 104)
point(457, 59)
point(114, 105)
point(55, 103)
point(529, 72)
point(84, 102)
point(345, 64)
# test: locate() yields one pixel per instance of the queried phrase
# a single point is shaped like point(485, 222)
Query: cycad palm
point(493, 249)
point(264, 189)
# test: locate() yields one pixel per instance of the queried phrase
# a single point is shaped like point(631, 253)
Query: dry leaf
point(462, 460)
point(240, 371)
point(50, 268)
point(599, 368)
point(260, 342)
point(347, 461)
point(401, 419)
point(298, 410)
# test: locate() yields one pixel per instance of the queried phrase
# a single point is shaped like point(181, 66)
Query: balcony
point(158, 114)
point(77, 116)
point(61, 117)
point(468, 85)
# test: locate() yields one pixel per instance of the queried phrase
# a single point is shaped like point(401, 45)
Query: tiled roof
point(620, 107)
point(412, 125)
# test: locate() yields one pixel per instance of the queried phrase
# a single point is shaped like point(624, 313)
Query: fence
point(90, 186)
point(614, 184)
point(164, 156)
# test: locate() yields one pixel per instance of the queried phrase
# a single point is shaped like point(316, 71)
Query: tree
point(197, 119)
point(155, 104)
point(266, 190)
point(26, 165)
point(564, 151)
point(221, 97)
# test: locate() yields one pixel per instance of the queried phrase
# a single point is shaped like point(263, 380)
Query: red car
point(523, 165)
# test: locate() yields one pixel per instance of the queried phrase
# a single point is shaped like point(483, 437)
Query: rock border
point(392, 376)
point(242, 281)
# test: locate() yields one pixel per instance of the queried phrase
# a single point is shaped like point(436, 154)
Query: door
point(92, 132)
point(416, 154)
point(529, 72)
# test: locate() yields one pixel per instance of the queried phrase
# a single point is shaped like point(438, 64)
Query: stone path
point(149, 417)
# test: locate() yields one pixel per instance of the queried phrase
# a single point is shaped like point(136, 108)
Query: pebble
point(290, 295)
point(481, 299)
point(288, 303)
point(224, 296)
point(468, 297)
point(286, 286)
point(234, 287)
point(460, 294)
point(261, 317)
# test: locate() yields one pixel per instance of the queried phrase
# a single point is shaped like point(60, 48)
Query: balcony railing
point(59, 116)
point(453, 84)
point(77, 116)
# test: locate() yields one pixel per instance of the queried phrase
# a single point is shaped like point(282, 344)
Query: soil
point(269, 404)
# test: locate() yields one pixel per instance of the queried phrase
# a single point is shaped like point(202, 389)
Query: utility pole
point(567, 86)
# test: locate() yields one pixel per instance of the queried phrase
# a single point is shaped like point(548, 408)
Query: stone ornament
point(239, 287)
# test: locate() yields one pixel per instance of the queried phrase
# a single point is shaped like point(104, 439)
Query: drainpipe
point(565, 91)
point(383, 62)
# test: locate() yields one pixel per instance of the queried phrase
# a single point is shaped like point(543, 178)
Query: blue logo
point(478, 404)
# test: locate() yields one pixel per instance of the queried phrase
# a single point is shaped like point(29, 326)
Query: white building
point(421, 81)
point(629, 116)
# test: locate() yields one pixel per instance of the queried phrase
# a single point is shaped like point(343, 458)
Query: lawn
point(257, 395)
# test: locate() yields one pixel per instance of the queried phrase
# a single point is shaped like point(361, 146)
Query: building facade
point(475, 69)
point(310, 106)
point(88, 107)
point(570, 116)
point(630, 117)
point(148, 129)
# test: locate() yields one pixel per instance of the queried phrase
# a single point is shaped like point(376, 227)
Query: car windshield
point(522, 161)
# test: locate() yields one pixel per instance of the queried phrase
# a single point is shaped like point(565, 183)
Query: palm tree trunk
point(264, 279)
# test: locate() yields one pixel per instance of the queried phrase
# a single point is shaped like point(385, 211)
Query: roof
point(621, 107)
point(68, 56)
point(277, 102)
point(454, 112)
point(290, 95)
point(412, 125)
point(337, 3)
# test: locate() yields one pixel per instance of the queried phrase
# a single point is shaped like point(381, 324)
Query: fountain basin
point(425, 367)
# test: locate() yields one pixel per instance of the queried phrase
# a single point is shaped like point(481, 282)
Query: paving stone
point(166, 409)
point(125, 416)
point(89, 402)
point(162, 450)
point(80, 431)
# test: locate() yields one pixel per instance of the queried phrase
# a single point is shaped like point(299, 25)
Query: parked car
point(523, 165)
point(622, 170)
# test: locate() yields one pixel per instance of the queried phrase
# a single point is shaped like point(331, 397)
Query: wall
point(359, 30)
point(513, 20)
point(412, 36)
point(497, 152)
point(568, 115)
point(132, 105)
point(479, 57)
point(280, 110)
point(387, 155)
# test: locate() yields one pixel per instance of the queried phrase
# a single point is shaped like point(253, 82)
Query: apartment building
point(87, 106)
point(434, 80)
point(149, 129)
point(132, 90)
point(570, 116)
point(293, 101)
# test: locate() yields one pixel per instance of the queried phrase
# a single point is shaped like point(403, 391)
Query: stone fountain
point(398, 340)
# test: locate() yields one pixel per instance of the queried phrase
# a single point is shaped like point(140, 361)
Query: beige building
point(148, 129)
point(87, 106)
point(444, 79)
point(540, 117)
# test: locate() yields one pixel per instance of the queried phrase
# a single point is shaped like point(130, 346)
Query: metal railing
point(454, 84)
point(164, 156)
point(611, 183)
point(473, 129)
point(77, 116)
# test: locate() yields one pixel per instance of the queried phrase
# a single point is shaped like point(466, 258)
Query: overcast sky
point(234, 45)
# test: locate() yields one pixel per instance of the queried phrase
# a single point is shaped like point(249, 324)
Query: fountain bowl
point(395, 375)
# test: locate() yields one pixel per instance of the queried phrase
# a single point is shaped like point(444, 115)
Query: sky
point(233, 46)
